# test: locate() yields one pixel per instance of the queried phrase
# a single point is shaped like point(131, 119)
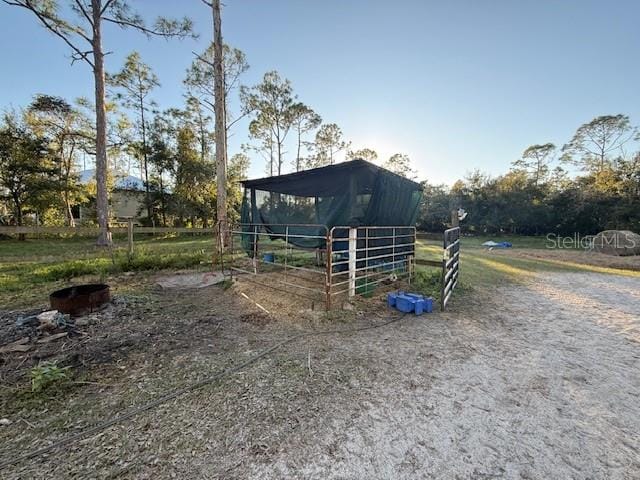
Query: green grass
point(28, 269)
point(481, 267)
point(539, 242)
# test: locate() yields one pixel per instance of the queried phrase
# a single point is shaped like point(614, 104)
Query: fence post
point(353, 242)
point(255, 249)
point(455, 220)
point(130, 236)
point(329, 267)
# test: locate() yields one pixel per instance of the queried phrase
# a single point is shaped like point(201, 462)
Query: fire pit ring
point(80, 299)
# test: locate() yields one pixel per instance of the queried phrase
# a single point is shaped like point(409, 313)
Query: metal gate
point(450, 264)
point(359, 258)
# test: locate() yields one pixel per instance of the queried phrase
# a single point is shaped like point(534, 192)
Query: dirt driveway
point(534, 381)
point(544, 383)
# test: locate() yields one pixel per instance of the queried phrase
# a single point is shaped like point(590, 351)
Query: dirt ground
point(531, 381)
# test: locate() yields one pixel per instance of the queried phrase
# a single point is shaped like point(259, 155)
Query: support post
point(329, 269)
point(353, 242)
point(130, 237)
point(286, 250)
point(255, 249)
point(455, 221)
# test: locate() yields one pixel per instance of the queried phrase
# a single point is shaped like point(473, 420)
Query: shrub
point(428, 282)
point(47, 374)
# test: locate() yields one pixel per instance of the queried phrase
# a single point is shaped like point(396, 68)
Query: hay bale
point(617, 242)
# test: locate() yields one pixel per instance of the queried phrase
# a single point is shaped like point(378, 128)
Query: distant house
point(127, 197)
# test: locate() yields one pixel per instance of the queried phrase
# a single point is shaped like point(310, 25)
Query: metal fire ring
point(80, 299)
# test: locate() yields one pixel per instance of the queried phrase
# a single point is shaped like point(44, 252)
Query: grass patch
point(480, 267)
point(427, 281)
point(28, 269)
point(535, 242)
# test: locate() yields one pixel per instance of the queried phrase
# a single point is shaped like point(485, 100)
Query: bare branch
point(81, 56)
point(202, 59)
point(84, 12)
point(243, 115)
point(106, 6)
point(161, 30)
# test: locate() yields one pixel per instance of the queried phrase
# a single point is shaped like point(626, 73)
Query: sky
point(456, 85)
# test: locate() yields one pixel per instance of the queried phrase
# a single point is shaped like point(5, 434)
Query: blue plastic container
point(269, 257)
point(391, 299)
point(427, 305)
point(410, 302)
point(405, 304)
point(418, 307)
point(417, 296)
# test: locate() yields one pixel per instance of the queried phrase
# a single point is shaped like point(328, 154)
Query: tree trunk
point(203, 139)
point(67, 210)
point(145, 158)
point(67, 163)
point(18, 212)
point(279, 158)
point(298, 154)
point(102, 199)
point(271, 155)
point(220, 113)
point(279, 142)
point(162, 203)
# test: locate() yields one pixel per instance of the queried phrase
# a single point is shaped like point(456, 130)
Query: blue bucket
point(269, 258)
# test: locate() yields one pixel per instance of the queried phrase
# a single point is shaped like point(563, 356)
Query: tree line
point(43, 146)
point(123, 131)
point(590, 184)
point(180, 152)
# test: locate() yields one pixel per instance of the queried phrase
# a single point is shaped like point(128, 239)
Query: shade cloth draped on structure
point(354, 193)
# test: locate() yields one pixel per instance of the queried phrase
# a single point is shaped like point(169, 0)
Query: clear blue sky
point(456, 85)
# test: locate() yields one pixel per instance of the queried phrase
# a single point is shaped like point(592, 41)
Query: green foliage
point(525, 202)
point(427, 281)
point(329, 142)
point(595, 142)
point(273, 106)
point(200, 74)
point(236, 172)
point(435, 208)
point(367, 154)
point(401, 164)
point(304, 120)
point(26, 167)
point(195, 187)
point(134, 84)
point(47, 375)
point(68, 133)
point(535, 161)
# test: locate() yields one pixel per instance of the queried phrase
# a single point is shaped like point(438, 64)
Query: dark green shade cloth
point(354, 193)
